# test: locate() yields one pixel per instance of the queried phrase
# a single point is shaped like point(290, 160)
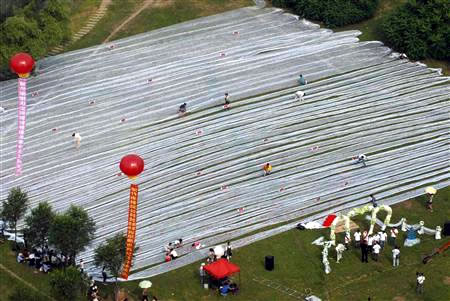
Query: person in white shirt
point(420, 281)
point(370, 243)
point(376, 238)
point(357, 236)
point(394, 233)
point(299, 95)
point(395, 257)
point(376, 251)
point(347, 240)
point(173, 254)
point(77, 139)
point(339, 250)
point(383, 237)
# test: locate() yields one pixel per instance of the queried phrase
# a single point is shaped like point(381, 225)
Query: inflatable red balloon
point(22, 64)
point(132, 165)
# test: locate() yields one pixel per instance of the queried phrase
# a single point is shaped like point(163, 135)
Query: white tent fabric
point(203, 179)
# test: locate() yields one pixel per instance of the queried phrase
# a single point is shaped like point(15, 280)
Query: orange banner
point(131, 233)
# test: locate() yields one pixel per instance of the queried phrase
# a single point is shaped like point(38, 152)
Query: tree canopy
point(38, 224)
point(67, 284)
point(419, 28)
point(36, 28)
point(72, 231)
point(333, 13)
point(14, 208)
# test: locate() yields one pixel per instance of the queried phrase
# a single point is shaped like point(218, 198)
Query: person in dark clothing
point(364, 251)
point(374, 201)
point(104, 275)
point(182, 108)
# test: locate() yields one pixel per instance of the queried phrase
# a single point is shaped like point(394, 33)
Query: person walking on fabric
point(361, 159)
point(77, 139)
point(374, 201)
point(267, 169)
point(227, 104)
point(299, 95)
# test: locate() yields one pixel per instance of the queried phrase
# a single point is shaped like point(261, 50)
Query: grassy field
point(298, 266)
point(176, 11)
point(81, 11)
point(159, 14)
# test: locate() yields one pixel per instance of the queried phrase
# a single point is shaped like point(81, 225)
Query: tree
point(111, 255)
point(419, 28)
point(14, 208)
point(38, 224)
point(67, 284)
point(72, 231)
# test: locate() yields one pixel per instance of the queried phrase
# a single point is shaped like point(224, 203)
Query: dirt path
point(2, 267)
point(146, 4)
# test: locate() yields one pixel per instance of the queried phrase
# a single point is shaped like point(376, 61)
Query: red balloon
point(21, 63)
point(132, 165)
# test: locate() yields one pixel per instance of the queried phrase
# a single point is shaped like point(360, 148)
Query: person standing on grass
point(419, 283)
point(364, 248)
point(357, 236)
point(369, 243)
point(383, 237)
point(347, 240)
point(376, 251)
point(267, 169)
point(339, 250)
point(395, 257)
point(202, 273)
point(394, 233)
point(229, 252)
point(430, 202)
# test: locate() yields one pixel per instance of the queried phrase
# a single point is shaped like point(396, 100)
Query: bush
point(332, 12)
point(419, 28)
point(37, 28)
point(68, 284)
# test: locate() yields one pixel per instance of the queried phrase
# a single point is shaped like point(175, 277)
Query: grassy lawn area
point(176, 11)
point(118, 10)
point(8, 283)
point(81, 11)
point(298, 266)
point(159, 14)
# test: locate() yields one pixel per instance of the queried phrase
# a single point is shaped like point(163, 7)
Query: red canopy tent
point(221, 268)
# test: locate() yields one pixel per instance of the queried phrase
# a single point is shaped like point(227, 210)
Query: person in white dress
point(77, 139)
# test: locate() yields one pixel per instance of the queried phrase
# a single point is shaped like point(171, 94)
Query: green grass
point(118, 11)
point(81, 12)
point(177, 11)
point(8, 283)
point(298, 266)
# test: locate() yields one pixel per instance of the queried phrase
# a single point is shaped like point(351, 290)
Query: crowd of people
point(43, 259)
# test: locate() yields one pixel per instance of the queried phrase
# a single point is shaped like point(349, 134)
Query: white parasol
point(145, 284)
point(430, 190)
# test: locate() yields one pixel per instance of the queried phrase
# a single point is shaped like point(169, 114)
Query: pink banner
point(22, 112)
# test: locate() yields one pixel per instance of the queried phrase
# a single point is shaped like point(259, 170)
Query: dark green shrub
point(332, 12)
point(419, 28)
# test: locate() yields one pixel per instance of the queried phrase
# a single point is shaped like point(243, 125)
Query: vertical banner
point(22, 111)
point(131, 232)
